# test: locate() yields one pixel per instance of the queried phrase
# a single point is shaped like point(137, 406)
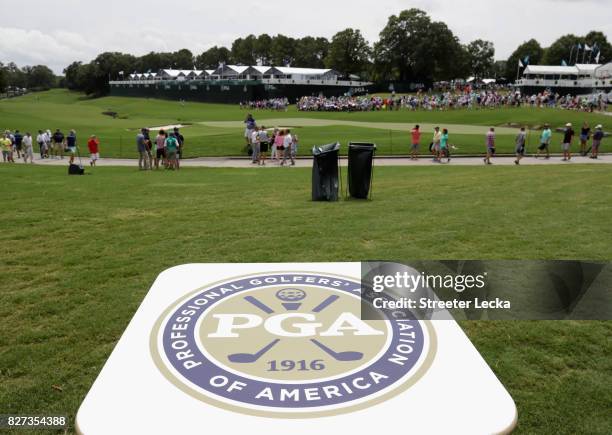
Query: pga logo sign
point(287, 344)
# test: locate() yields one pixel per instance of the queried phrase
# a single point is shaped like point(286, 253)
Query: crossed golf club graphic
point(291, 298)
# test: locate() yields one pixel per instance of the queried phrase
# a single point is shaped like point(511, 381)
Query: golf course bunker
point(399, 126)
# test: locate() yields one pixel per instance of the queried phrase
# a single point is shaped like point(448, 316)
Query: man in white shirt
point(287, 143)
point(28, 151)
point(255, 145)
point(40, 140)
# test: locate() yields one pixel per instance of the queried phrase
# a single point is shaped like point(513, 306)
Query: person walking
point(181, 144)
point(48, 145)
point(58, 144)
point(585, 134)
point(519, 148)
point(250, 125)
point(171, 146)
point(264, 144)
point(93, 144)
point(17, 143)
point(436, 144)
point(160, 151)
point(279, 140)
point(255, 146)
point(545, 141)
point(490, 141)
point(7, 147)
point(40, 140)
point(444, 150)
point(287, 144)
point(568, 136)
point(28, 150)
point(597, 138)
point(141, 147)
point(71, 142)
point(415, 139)
point(149, 147)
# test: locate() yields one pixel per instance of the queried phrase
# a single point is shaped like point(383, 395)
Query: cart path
point(399, 126)
point(306, 162)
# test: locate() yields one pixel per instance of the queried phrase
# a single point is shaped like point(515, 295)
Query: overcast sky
point(57, 32)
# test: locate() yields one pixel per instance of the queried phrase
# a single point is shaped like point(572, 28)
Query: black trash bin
point(325, 172)
point(360, 158)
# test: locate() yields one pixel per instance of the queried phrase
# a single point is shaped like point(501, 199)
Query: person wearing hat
point(597, 137)
point(93, 144)
point(545, 141)
point(568, 136)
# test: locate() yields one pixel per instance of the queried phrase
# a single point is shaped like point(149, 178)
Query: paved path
point(237, 162)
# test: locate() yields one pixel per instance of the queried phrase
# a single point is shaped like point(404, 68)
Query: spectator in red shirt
point(94, 149)
point(415, 134)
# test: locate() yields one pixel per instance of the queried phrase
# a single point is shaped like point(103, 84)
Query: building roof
point(561, 70)
point(303, 71)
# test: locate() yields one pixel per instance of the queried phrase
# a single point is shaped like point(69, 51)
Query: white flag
point(520, 64)
point(586, 47)
point(597, 57)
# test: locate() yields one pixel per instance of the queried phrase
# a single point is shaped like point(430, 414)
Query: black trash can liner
point(325, 180)
point(360, 157)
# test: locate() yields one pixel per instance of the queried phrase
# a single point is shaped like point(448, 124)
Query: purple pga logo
point(288, 345)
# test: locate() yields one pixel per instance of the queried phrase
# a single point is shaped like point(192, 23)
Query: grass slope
point(77, 259)
point(67, 110)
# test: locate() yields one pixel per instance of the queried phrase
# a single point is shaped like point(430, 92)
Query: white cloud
point(61, 31)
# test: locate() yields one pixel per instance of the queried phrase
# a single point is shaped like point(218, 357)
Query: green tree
point(40, 77)
point(263, 49)
point(531, 48)
point(211, 58)
point(3, 79)
point(600, 41)
point(413, 48)
point(561, 49)
point(243, 50)
point(311, 52)
point(182, 59)
point(348, 52)
point(282, 50)
point(481, 58)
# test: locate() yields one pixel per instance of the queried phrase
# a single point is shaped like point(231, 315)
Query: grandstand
point(236, 83)
point(576, 79)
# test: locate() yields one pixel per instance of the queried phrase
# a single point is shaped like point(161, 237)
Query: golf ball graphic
point(290, 294)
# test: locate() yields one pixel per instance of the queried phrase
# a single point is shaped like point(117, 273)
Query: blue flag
point(563, 63)
point(526, 60)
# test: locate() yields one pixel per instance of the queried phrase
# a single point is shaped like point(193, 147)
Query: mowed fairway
point(78, 255)
point(217, 129)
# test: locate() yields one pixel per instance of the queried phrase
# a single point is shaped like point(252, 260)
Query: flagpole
point(571, 51)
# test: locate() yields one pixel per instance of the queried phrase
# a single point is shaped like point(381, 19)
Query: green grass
point(69, 110)
point(78, 254)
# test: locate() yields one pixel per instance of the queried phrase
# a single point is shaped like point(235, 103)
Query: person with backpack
point(181, 143)
point(171, 146)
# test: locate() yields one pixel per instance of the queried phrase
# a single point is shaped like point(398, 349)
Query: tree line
point(411, 48)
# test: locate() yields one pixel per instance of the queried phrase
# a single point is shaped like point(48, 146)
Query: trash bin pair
point(325, 171)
